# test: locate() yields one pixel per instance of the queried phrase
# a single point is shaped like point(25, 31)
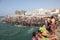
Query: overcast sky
point(9, 6)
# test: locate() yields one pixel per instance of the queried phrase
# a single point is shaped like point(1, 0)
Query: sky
point(8, 7)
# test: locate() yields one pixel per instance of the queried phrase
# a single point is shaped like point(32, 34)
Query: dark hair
point(34, 34)
point(40, 32)
point(52, 16)
point(48, 17)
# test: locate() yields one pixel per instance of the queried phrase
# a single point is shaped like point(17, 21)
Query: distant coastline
point(1, 16)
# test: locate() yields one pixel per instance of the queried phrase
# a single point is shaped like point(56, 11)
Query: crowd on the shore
point(20, 20)
point(26, 21)
point(46, 31)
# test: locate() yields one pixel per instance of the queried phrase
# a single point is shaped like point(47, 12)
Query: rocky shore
point(24, 20)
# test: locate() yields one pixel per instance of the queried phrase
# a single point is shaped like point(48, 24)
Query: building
point(47, 12)
point(22, 12)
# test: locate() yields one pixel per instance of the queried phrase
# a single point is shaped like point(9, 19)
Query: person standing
point(53, 24)
point(48, 24)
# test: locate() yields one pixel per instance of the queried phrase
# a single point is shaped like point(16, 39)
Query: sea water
point(14, 32)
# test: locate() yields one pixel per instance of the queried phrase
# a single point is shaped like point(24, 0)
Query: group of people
point(46, 31)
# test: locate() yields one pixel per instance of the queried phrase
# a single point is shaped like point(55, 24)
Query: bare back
point(53, 21)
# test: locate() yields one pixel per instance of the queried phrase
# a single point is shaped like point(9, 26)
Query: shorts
point(52, 27)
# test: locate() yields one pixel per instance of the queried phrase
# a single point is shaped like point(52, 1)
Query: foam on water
point(30, 30)
point(20, 26)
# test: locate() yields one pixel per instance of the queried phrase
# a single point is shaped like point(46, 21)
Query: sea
point(16, 32)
